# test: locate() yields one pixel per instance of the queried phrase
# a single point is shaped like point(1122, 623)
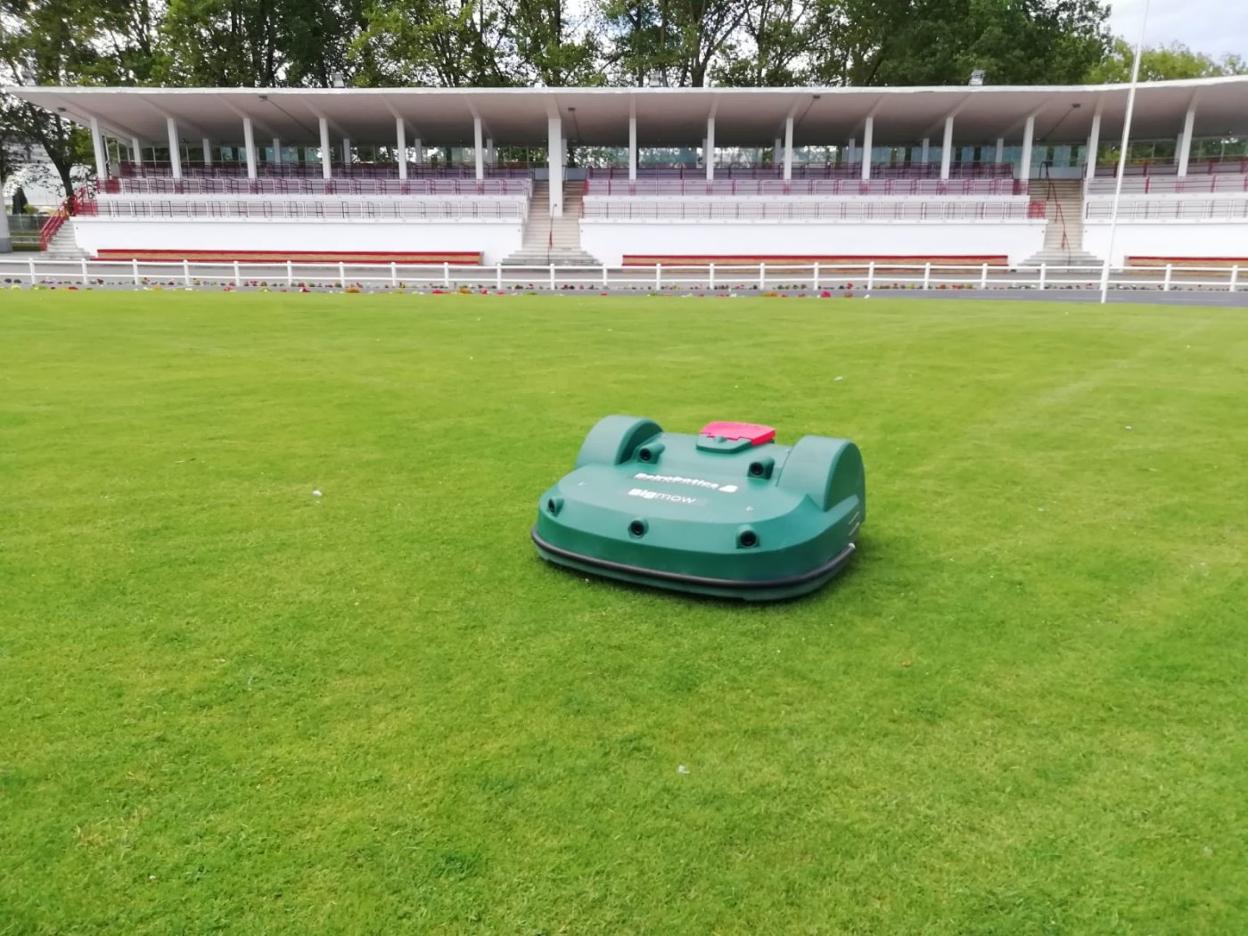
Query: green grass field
point(227, 704)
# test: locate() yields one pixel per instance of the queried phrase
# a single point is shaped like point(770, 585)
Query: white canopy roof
point(665, 116)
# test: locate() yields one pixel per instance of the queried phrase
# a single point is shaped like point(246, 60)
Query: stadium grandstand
point(636, 177)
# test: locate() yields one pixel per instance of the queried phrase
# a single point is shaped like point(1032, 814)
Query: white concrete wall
point(494, 239)
point(1219, 239)
point(610, 240)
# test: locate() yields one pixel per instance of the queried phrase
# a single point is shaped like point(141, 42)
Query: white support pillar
point(136, 150)
point(249, 147)
point(925, 150)
point(1029, 135)
point(97, 147)
point(563, 151)
point(277, 151)
point(1094, 144)
point(327, 171)
point(632, 149)
point(207, 145)
point(868, 139)
point(788, 148)
point(946, 149)
point(777, 152)
point(554, 164)
point(346, 151)
point(708, 154)
point(1000, 157)
point(851, 151)
point(418, 151)
point(175, 147)
point(1185, 147)
point(478, 150)
point(400, 143)
point(489, 151)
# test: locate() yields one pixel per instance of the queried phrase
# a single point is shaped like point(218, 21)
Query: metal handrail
point(1173, 185)
point(307, 186)
point(803, 187)
point(1168, 167)
point(809, 170)
point(55, 222)
point(859, 209)
point(496, 209)
point(796, 274)
point(1186, 209)
point(292, 170)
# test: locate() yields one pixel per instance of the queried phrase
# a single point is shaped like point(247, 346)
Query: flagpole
point(1122, 155)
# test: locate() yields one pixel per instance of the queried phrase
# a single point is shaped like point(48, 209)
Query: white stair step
point(549, 240)
point(1063, 234)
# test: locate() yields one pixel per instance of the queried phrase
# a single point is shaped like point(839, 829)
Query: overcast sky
point(1211, 26)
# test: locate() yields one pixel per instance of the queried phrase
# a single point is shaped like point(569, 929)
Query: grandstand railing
point(1164, 167)
point(1170, 209)
point(616, 209)
point(291, 170)
point(799, 187)
point(1171, 185)
point(795, 277)
point(53, 224)
point(81, 202)
point(811, 170)
point(152, 185)
point(514, 209)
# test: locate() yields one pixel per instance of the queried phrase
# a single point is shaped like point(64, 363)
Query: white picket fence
point(760, 277)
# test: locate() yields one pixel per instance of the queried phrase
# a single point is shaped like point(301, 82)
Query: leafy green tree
point(635, 33)
point(9, 144)
point(1163, 62)
point(52, 42)
point(435, 43)
point(255, 43)
point(127, 34)
point(771, 47)
point(936, 42)
point(675, 42)
point(550, 48)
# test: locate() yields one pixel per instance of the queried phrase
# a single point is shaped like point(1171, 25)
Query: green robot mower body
point(726, 512)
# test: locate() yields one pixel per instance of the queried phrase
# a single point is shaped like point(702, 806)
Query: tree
point(936, 42)
point(635, 32)
point(675, 41)
point(51, 42)
point(254, 43)
point(68, 42)
point(771, 48)
point(66, 144)
point(705, 29)
point(9, 144)
point(1161, 63)
point(552, 48)
point(128, 36)
point(438, 43)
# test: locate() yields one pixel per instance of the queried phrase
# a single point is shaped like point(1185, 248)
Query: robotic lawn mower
point(726, 512)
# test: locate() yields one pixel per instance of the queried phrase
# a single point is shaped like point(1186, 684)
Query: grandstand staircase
point(550, 240)
point(1063, 234)
point(64, 246)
